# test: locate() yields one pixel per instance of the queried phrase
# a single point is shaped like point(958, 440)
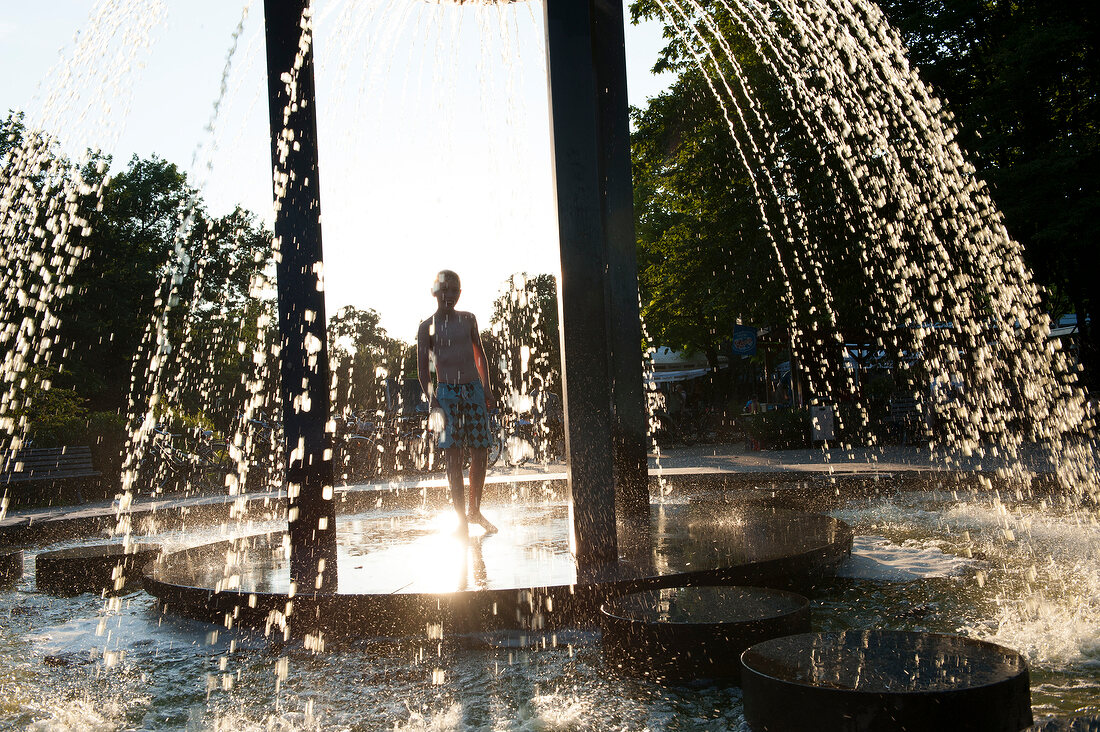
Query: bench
point(47, 465)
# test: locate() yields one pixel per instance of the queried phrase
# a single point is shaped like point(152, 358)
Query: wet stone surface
point(706, 605)
point(884, 680)
point(682, 633)
point(417, 552)
point(887, 661)
point(105, 568)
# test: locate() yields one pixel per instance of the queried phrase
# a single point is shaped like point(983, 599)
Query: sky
point(433, 125)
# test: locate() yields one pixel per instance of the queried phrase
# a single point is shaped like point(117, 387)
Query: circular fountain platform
point(109, 568)
point(888, 681)
point(683, 633)
point(401, 571)
point(1071, 724)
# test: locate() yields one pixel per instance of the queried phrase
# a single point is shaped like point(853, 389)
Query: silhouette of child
point(448, 345)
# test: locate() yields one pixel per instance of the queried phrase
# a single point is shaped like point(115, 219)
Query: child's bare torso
point(451, 346)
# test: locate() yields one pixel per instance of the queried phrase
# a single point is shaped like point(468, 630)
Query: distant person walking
point(448, 346)
point(752, 406)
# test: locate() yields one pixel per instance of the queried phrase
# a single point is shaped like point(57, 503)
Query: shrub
point(55, 417)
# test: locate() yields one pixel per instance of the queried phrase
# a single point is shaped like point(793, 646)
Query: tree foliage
point(1021, 80)
point(724, 235)
point(149, 251)
point(363, 356)
point(522, 341)
point(703, 261)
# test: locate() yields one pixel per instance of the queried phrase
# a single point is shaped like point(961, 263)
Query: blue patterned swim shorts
point(466, 422)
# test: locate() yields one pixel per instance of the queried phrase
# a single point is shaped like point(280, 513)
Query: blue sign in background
point(744, 340)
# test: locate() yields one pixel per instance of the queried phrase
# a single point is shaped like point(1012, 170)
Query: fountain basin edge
point(528, 602)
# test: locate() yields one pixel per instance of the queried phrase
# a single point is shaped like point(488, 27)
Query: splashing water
point(40, 224)
point(933, 232)
point(932, 238)
point(885, 136)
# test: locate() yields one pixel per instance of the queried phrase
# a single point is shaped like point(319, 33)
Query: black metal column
point(582, 287)
point(305, 368)
point(629, 419)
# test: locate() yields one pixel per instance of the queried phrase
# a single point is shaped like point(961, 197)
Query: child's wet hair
point(442, 277)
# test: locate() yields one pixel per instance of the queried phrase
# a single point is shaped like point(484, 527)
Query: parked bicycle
point(362, 449)
point(172, 467)
point(520, 440)
point(374, 448)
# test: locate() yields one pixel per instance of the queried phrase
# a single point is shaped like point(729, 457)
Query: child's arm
point(482, 365)
point(423, 338)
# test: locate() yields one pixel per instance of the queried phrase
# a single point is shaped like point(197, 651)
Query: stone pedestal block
point(885, 681)
point(110, 568)
point(11, 567)
point(683, 633)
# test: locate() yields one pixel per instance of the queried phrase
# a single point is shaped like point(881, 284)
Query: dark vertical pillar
point(582, 295)
point(629, 420)
point(305, 369)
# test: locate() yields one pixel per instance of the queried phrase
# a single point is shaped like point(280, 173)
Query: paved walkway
point(734, 459)
point(715, 460)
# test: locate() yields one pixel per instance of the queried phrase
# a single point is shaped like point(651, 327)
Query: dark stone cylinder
point(886, 681)
point(11, 567)
point(682, 633)
point(109, 568)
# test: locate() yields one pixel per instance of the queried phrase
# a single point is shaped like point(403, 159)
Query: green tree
point(363, 356)
point(843, 169)
point(41, 219)
point(153, 249)
point(134, 259)
point(762, 238)
point(225, 322)
point(703, 262)
point(115, 289)
point(522, 342)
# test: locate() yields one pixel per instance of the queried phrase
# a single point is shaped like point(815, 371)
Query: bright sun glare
point(434, 131)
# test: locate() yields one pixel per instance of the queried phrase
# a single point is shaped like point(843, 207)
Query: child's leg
point(478, 459)
point(453, 456)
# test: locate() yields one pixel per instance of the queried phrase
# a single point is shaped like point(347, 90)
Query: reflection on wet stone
point(681, 633)
point(412, 553)
point(884, 680)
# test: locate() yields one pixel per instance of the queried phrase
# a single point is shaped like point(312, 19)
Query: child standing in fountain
point(448, 345)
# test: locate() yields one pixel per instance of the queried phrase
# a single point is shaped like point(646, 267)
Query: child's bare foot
point(480, 520)
point(462, 531)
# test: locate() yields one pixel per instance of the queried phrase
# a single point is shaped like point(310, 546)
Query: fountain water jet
point(604, 549)
point(961, 299)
